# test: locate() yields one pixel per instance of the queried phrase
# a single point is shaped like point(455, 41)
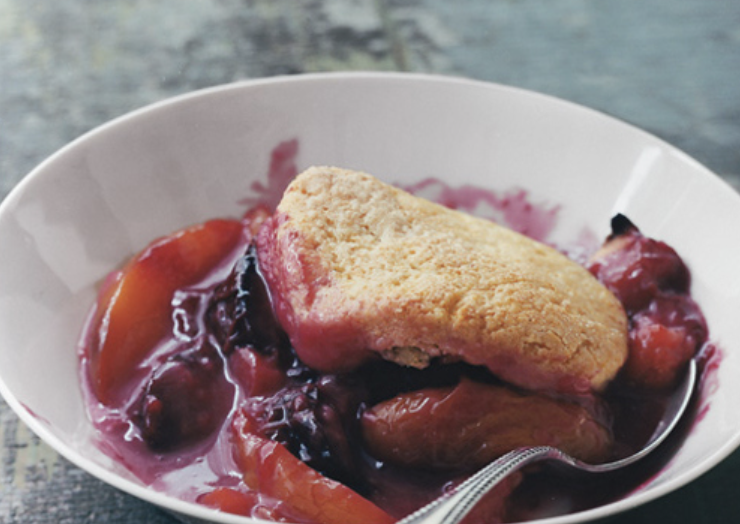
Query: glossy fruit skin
point(663, 338)
point(134, 308)
point(258, 375)
point(230, 500)
point(651, 280)
point(646, 267)
point(637, 268)
point(296, 432)
point(249, 504)
point(471, 424)
point(240, 312)
point(268, 467)
point(186, 400)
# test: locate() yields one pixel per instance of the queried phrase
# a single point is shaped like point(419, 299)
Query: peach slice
point(134, 308)
point(268, 467)
point(471, 424)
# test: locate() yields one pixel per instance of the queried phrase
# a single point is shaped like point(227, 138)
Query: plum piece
point(134, 311)
point(663, 338)
point(636, 268)
point(473, 423)
point(186, 400)
point(651, 280)
point(255, 373)
point(269, 468)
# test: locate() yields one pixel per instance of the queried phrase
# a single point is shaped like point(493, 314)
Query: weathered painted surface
point(672, 68)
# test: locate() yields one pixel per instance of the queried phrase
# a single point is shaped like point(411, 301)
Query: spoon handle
point(452, 508)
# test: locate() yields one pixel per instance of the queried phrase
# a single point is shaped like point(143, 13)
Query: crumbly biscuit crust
point(359, 266)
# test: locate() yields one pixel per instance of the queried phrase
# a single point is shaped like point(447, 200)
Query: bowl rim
point(191, 509)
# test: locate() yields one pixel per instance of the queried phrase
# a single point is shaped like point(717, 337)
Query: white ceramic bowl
point(106, 195)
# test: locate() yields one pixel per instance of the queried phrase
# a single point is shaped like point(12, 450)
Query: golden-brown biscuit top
point(358, 267)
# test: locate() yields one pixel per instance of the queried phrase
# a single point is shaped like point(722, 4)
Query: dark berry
point(314, 421)
point(186, 400)
point(240, 312)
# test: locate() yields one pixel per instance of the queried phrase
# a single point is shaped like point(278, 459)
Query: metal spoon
point(452, 507)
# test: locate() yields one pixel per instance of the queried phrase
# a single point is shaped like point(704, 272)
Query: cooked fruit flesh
point(636, 268)
point(471, 424)
point(134, 310)
point(234, 377)
point(269, 468)
point(186, 399)
point(666, 325)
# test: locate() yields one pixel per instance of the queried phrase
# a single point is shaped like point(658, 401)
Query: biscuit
point(358, 268)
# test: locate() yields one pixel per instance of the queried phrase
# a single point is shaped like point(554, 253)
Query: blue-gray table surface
point(669, 67)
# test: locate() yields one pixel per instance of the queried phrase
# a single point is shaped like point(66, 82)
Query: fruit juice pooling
point(153, 430)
